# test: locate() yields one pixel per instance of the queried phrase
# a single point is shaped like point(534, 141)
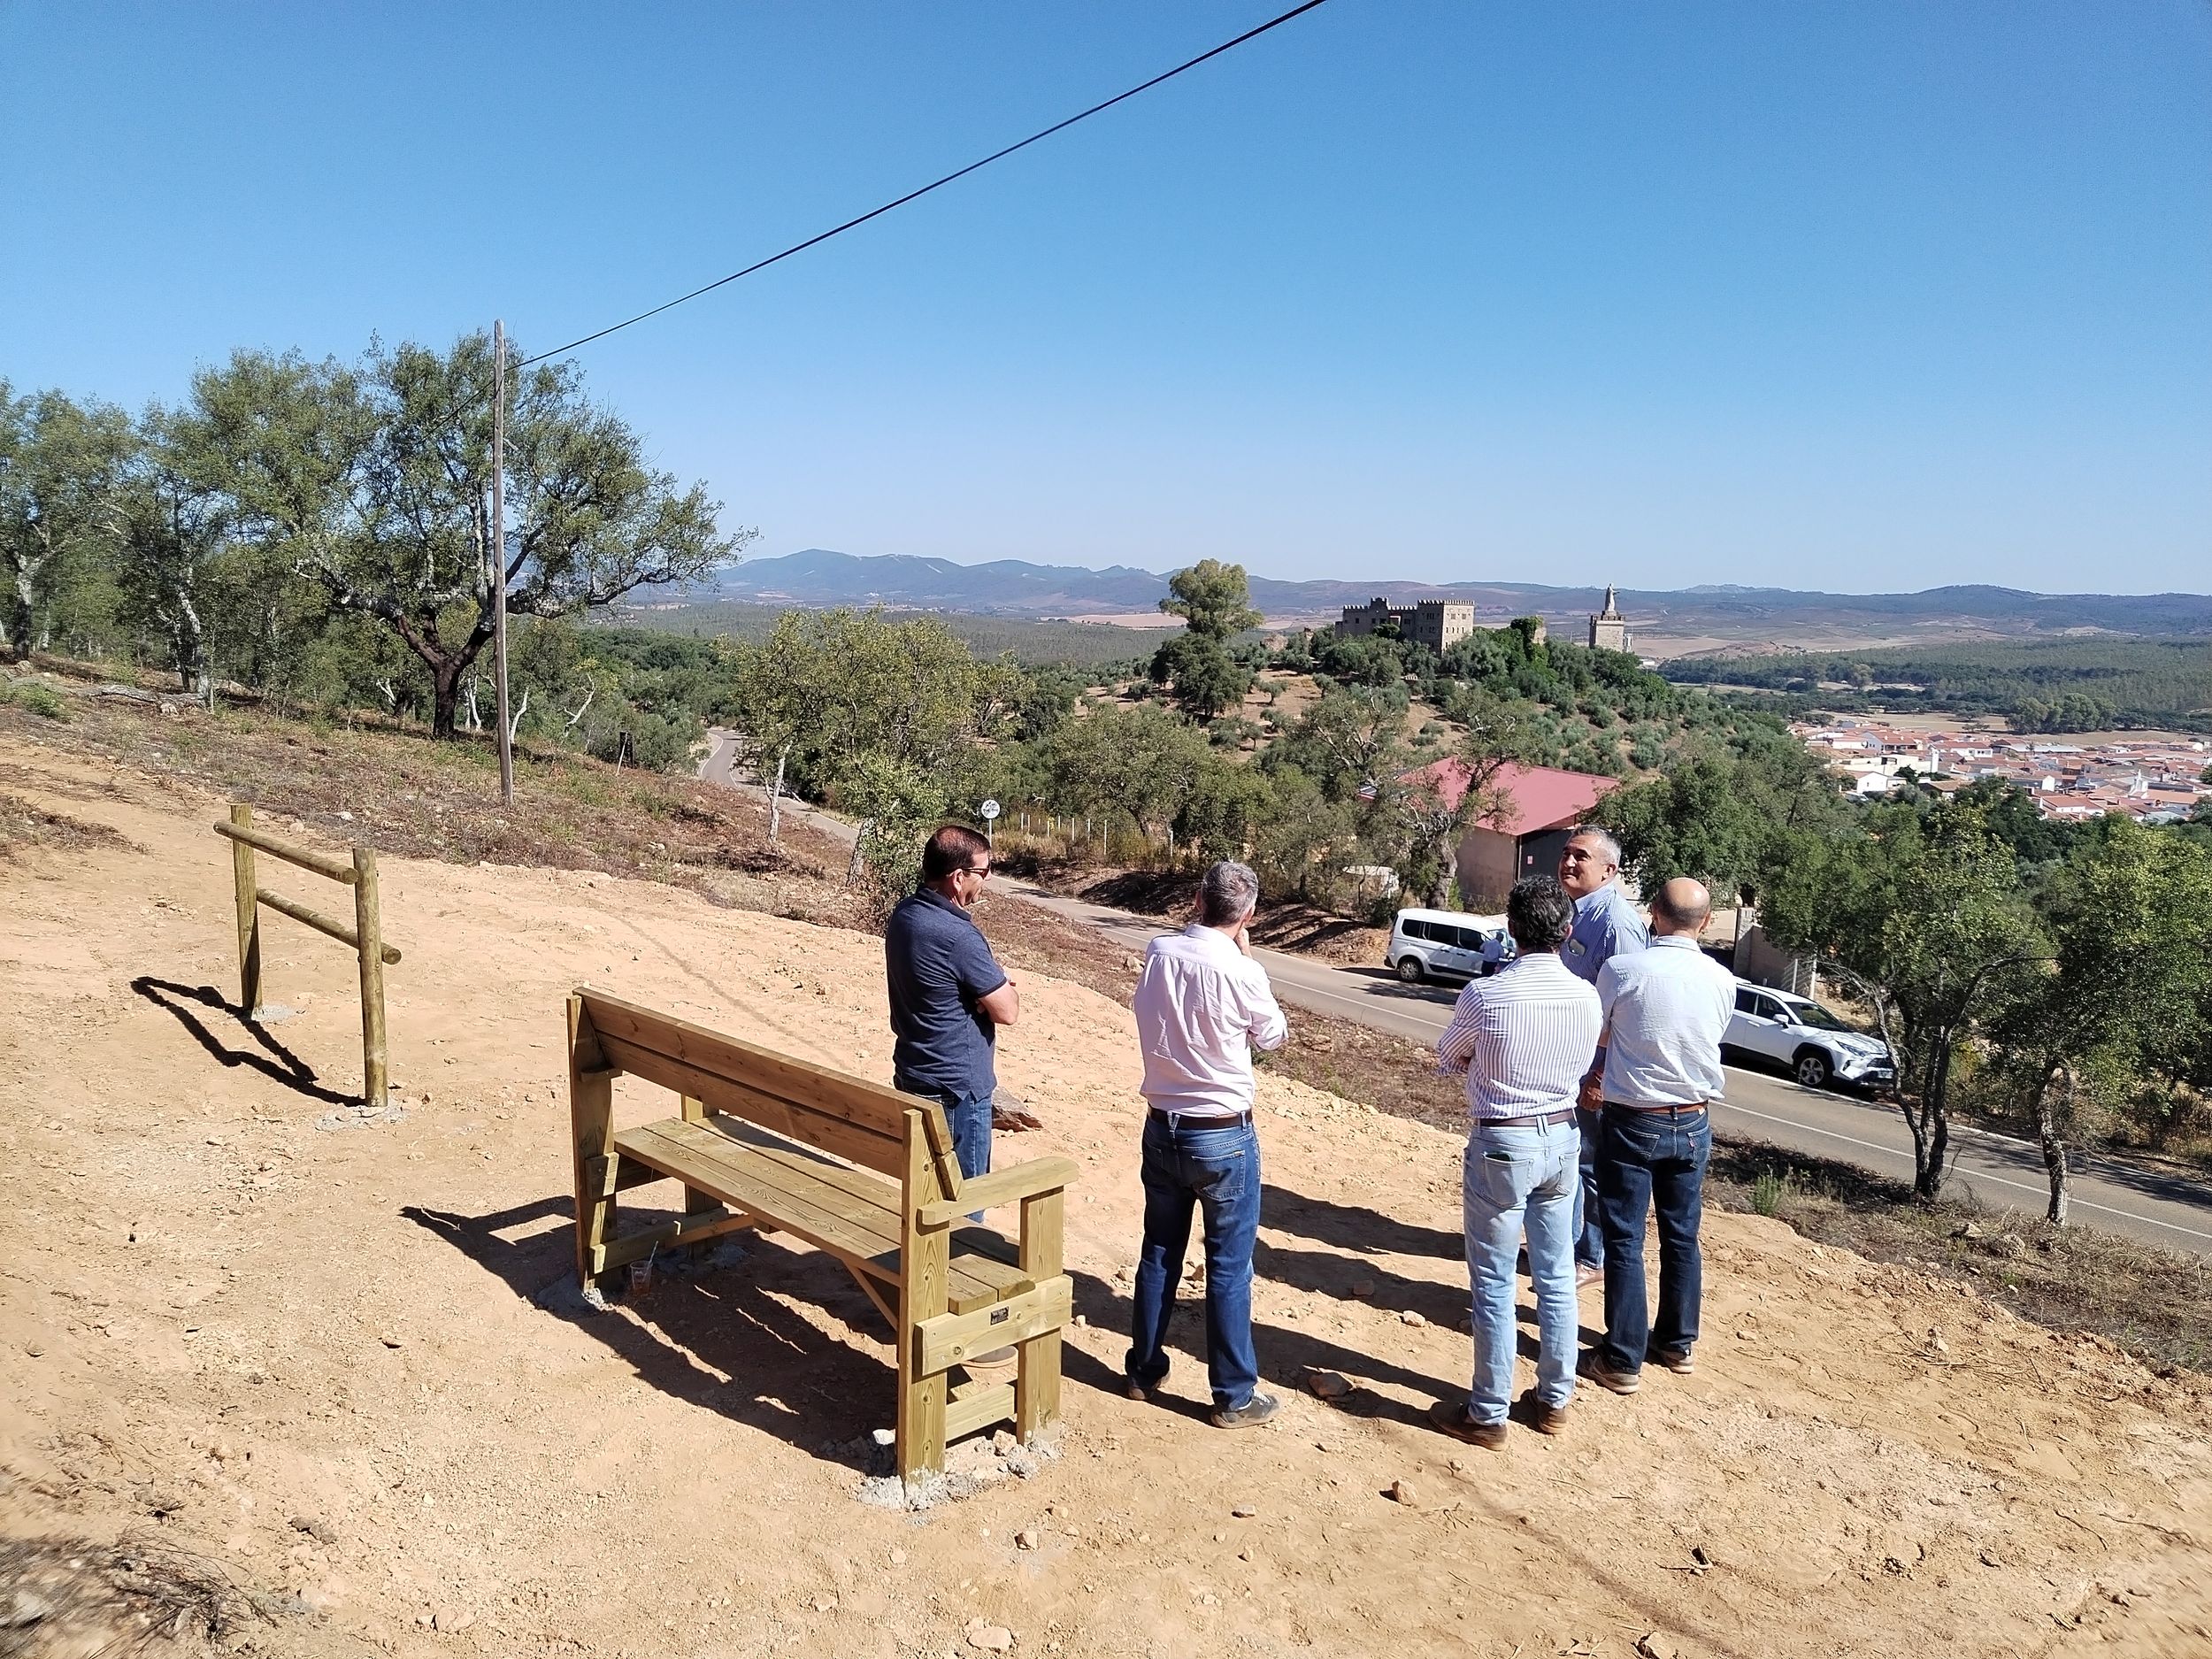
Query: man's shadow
point(279, 1064)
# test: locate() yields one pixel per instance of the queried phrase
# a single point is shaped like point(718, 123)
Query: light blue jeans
point(1516, 1180)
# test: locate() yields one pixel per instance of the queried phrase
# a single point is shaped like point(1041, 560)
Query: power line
point(935, 184)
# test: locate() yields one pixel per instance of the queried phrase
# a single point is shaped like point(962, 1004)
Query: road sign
point(990, 811)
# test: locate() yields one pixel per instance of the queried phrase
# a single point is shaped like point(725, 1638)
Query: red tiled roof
point(1544, 797)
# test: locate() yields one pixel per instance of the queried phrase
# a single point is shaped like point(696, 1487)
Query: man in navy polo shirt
point(948, 994)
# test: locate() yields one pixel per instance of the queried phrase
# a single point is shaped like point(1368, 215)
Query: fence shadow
point(278, 1063)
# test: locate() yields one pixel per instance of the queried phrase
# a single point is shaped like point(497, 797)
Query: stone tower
point(1608, 629)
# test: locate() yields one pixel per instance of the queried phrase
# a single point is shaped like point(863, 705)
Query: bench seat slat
point(826, 1204)
point(978, 1252)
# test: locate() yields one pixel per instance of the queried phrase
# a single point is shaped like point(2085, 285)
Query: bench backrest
point(861, 1122)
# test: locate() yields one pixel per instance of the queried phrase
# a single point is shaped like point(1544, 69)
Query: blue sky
point(1857, 295)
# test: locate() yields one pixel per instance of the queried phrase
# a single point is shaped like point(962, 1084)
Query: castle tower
point(1608, 629)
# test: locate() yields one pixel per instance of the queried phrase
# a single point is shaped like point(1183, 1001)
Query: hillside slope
point(242, 1322)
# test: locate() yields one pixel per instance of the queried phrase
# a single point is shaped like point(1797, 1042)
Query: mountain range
point(1015, 587)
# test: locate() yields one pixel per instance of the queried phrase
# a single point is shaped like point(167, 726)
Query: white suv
point(1798, 1034)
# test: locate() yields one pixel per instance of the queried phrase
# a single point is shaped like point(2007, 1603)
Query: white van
point(1445, 944)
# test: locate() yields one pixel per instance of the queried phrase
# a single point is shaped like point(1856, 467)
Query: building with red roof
point(1525, 837)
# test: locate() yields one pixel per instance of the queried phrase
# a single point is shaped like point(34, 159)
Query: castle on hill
point(1608, 629)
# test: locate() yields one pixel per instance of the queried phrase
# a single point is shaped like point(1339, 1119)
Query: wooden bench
point(866, 1174)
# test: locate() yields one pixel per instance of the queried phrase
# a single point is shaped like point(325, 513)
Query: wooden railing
point(366, 937)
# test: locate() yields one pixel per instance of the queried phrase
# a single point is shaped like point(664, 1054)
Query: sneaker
point(1586, 1276)
point(1593, 1366)
point(1258, 1409)
point(1548, 1419)
point(1450, 1416)
point(1676, 1360)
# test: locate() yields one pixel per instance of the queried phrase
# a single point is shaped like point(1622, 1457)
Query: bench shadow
point(731, 1313)
point(279, 1064)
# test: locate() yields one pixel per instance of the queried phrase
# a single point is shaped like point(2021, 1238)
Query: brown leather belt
point(1528, 1120)
point(1684, 1106)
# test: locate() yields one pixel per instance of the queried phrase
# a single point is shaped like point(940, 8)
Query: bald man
point(1666, 1009)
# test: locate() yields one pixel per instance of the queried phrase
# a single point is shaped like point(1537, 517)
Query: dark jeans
point(1589, 1232)
point(1655, 1161)
point(1218, 1171)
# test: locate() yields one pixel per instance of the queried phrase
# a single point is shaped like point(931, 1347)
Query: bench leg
point(591, 1121)
point(925, 1276)
point(696, 1202)
point(1037, 1378)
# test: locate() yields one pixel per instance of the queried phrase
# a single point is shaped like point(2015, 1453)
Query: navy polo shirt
point(939, 968)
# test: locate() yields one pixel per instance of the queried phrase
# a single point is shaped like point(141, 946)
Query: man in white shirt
point(1523, 1038)
point(1202, 1005)
point(1666, 1010)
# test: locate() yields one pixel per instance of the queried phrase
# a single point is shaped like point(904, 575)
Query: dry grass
point(70, 1595)
point(2154, 1303)
point(405, 795)
point(25, 824)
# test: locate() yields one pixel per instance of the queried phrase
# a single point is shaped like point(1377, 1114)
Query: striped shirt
point(1524, 1037)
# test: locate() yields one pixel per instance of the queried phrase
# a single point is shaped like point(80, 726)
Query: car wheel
point(1812, 1069)
point(1410, 969)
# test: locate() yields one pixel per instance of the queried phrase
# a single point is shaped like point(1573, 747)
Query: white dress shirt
point(1524, 1037)
point(1201, 1007)
point(1666, 1010)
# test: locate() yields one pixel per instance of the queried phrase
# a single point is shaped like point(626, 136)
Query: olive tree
point(376, 480)
point(60, 465)
point(1925, 918)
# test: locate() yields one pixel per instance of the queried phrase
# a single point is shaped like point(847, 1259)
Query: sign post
point(990, 820)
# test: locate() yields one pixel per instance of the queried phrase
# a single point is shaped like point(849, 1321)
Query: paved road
point(1997, 1169)
point(721, 767)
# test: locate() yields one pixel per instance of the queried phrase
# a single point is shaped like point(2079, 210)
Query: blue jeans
point(1218, 1171)
point(1589, 1233)
point(1516, 1179)
point(967, 1116)
point(1655, 1161)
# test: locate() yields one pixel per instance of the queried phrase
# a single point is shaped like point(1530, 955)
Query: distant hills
point(1707, 616)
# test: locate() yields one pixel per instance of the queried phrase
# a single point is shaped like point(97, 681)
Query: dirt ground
point(332, 1360)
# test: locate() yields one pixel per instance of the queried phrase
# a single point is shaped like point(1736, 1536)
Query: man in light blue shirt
point(1522, 1038)
point(1605, 926)
point(1666, 1010)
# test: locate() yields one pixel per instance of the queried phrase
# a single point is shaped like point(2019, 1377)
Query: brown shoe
point(1585, 1277)
point(1593, 1366)
point(1549, 1419)
point(1676, 1360)
point(1450, 1416)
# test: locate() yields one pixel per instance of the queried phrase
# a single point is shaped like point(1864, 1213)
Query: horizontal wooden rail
point(306, 859)
point(317, 920)
point(366, 937)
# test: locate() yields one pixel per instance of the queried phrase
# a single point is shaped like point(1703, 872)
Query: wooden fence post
point(368, 932)
point(248, 915)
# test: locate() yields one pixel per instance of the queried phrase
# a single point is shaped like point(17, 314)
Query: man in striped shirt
point(1524, 1039)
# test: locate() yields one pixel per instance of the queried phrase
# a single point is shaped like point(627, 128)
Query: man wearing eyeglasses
point(948, 994)
point(1606, 925)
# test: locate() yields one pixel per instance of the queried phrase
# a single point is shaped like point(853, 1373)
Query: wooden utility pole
point(499, 556)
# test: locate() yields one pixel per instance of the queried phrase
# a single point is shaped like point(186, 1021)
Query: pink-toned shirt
point(1201, 1007)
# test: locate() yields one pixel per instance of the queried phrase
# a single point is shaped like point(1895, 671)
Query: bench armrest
point(999, 1186)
